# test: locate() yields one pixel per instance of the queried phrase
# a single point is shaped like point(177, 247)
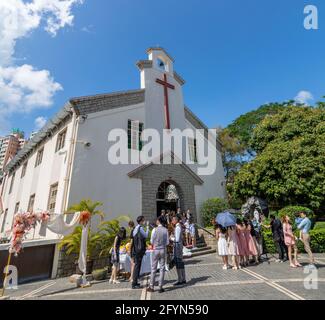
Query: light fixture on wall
point(61, 153)
point(86, 144)
point(83, 118)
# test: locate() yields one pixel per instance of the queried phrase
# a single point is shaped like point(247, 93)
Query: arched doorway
point(168, 197)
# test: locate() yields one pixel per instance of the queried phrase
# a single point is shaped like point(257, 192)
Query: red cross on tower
point(166, 87)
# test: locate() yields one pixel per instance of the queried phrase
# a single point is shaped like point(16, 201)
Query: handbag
point(172, 263)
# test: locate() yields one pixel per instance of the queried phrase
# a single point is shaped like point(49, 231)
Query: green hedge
point(319, 225)
point(317, 241)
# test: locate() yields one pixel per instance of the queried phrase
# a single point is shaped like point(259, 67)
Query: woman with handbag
point(116, 254)
point(131, 252)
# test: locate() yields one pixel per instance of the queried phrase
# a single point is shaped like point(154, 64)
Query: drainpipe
point(71, 153)
point(2, 209)
point(1, 193)
point(67, 180)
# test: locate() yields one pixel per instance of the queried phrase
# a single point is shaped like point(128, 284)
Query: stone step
point(201, 251)
point(201, 244)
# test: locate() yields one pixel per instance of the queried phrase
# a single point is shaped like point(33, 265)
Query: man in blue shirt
point(304, 227)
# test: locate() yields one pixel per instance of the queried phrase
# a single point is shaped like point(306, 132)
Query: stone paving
point(206, 280)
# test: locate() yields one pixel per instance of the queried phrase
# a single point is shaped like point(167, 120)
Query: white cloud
point(304, 97)
point(24, 88)
point(40, 122)
point(87, 29)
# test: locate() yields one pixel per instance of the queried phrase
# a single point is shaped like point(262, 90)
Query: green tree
point(289, 167)
point(232, 153)
point(243, 127)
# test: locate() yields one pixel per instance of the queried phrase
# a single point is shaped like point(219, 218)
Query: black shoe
point(137, 286)
point(150, 290)
point(184, 282)
point(177, 284)
point(161, 290)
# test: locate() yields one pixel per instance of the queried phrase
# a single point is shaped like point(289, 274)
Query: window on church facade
point(12, 183)
point(161, 64)
point(23, 171)
point(52, 198)
point(17, 207)
point(39, 157)
point(61, 140)
point(192, 145)
point(135, 129)
point(31, 203)
point(4, 221)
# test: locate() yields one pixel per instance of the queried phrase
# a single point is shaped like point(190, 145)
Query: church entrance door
point(167, 198)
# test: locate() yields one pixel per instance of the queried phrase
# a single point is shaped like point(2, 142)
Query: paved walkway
point(206, 280)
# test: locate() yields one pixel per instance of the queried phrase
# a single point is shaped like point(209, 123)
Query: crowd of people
point(172, 231)
point(239, 245)
point(243, 243)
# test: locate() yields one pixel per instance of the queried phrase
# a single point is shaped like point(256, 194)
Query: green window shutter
point(129, 134)
point(140, 132)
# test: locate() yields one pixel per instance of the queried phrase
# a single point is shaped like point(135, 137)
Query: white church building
point(67, 161)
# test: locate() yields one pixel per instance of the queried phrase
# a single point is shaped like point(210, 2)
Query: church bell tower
point(163, 91)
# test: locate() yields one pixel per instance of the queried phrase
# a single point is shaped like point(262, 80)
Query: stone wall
point(154, 175)
point(67, 264)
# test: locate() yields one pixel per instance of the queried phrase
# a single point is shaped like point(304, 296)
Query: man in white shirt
point(159, 241)
point(178, 251)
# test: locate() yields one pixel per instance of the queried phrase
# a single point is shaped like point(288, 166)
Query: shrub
point(317, 242)
point(319, 225)
point(210, 208)
point(268, 242)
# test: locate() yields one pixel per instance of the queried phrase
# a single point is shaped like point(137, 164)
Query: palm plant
point(89, 206)
point(108, 231)
point(71, 243)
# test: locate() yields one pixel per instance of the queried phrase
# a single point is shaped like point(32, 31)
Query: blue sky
point(235, 55)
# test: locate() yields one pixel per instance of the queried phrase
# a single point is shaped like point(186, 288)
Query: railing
point(204, 229)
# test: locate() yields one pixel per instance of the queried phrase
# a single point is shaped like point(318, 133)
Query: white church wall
point(213, 186)
point(38, 181)
point(94, 177)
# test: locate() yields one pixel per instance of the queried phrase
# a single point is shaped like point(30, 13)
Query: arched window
point(167, 192)
point(161, 65)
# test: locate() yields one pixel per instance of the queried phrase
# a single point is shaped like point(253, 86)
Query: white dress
point(222, 245)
